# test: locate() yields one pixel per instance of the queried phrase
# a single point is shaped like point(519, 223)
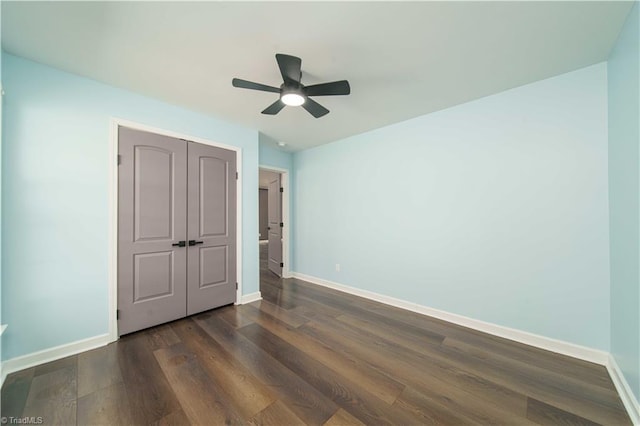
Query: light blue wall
point(624, 198)
point(495, 209)
point(273, 157)
point(55, 177)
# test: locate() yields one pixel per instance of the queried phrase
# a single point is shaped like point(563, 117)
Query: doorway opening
point(273, 231)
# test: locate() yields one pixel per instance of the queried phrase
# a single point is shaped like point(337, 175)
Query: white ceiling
point(403, 59)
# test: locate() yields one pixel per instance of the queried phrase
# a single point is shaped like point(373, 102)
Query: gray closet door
point(275, 230)
point(263, 213)
point(152, 210)
point(211, 270)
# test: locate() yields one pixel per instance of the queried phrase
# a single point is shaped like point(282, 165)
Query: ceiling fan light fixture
point(292, 99)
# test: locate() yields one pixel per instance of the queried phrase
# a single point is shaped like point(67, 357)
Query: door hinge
point(119, 160)
point(236, 286)
point(281, 225)
point(117, 314)
point(236, 175)
point(281, 189)
point(281, 265)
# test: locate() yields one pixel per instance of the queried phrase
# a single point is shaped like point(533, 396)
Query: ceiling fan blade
point(329, 89)
point(244, 84)
point(290, 67)
point(315, 108)
point(274, 108)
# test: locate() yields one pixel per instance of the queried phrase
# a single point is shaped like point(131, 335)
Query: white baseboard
point(47, 355)
point(547, 343)
point(624, 390)
point(3, 375)
point(251, 297)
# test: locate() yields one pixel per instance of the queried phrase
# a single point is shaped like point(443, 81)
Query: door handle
point(179, 244)
point(194, 242)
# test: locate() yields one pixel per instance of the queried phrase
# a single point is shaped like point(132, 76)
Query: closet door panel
point(152, 219)
point(211, 269)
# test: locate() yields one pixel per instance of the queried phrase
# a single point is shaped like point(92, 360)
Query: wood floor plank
point(97, 369)
point(105, 406)
point(246, 393)
point(583, 370)
point(433, 412)
point(177, 418)
point(532, 373)
point(595, 407)
point(310, 309)
point(230, 314)
point(346, 394)
point(161, 337)
point(303, 399)
point(302, 292)
point(407, 336)
point(544, 414)
point(316, 313)
point(343, 418)
point(378, 312)
point(381, 385)
point(202, 398)
point(283, 315)
point(15, 391)
point(557, 363)
point(515, 381)
point(402, 366)
point(151, 397)
point(277, 296)
point(452, 405)
point(276, 414)
point(52, 396)
point(70, 361)
point(411, 338)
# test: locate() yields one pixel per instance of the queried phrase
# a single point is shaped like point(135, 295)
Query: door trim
point(112, 275)
point(284, 181)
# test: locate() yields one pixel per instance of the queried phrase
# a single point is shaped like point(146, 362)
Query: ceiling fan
point(292, 91)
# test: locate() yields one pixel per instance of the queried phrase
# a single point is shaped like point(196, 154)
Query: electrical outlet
point(337, 267)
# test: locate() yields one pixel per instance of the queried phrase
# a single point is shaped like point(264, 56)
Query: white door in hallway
point(275, 226)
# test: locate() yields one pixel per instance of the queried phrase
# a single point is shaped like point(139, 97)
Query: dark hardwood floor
point(311, 355)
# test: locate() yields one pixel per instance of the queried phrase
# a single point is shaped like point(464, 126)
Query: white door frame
point(284, 181)
point(113, 209)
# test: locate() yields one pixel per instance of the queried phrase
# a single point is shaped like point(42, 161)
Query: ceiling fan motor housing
point(292, 87)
